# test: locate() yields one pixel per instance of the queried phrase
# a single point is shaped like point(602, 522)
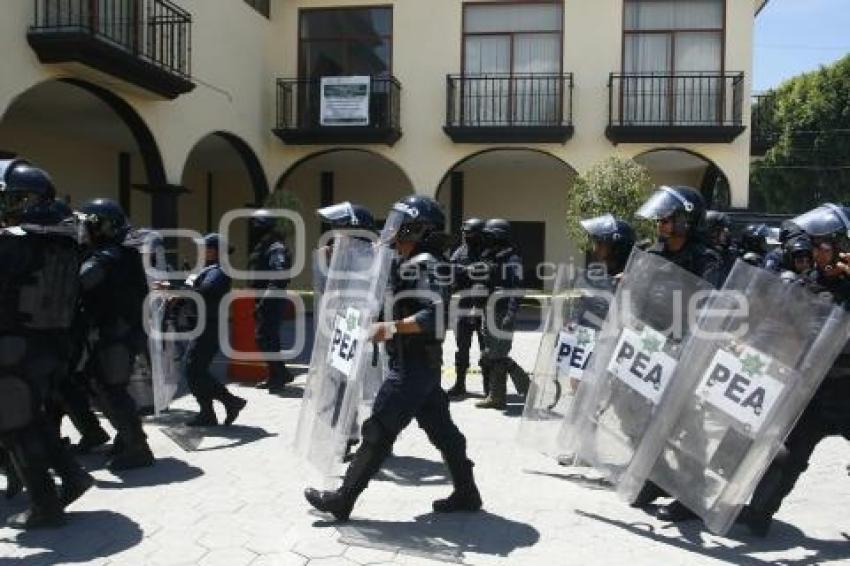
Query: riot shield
point(166, 355)
point(342, 354)
point(746, 377)
point(576, 312)
point(634, 361)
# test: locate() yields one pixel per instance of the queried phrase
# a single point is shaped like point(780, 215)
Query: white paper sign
point(738, 386)
point(345, 341)
point(573, 351)
point(345, 101)
point(640, 362)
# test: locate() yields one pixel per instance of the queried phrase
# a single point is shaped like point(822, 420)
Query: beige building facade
point(185, 109)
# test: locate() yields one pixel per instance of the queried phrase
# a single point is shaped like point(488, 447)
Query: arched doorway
point(528, 187)
point(91, 142)
point(673, 166)
point(338, 175)
point(221, 173)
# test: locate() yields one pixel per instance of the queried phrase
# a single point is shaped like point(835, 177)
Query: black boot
point(519, 377)
point(279, 378)
point(648, 494)
point(459, 388)
point(676, 512)
point(29, 458)
point(91, 440)
point(206, 416)
point(75, 480)
point(13, 482)
point(485, 381)
point(366, 463)
point(233, 405)
point(758, 524)
point(465, 496)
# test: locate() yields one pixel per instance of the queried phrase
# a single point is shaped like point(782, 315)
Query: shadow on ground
point(440, 537)
point(410, 470)
point(86, 537)
point(688, 536)
point(165, 471)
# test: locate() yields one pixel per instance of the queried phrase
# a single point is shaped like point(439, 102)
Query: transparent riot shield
point(635, 359)
point(342, 353)
point(166, 354)
point(575, 314)
point(761, 350)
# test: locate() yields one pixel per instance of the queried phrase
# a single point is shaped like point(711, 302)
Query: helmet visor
point(822, 221)
point(341, 214)
point(664, 203)
point(602, 227)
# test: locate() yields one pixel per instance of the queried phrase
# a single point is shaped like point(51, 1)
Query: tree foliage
point(808, 118)
point(615, 185)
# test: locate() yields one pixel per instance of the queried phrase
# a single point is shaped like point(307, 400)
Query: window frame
point(512, 35)
point(303, 12)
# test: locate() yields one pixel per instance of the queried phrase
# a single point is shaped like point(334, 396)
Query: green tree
point(615, 185)
point(808, 118)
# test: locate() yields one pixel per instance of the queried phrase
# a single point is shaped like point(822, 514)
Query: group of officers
point(71, 304)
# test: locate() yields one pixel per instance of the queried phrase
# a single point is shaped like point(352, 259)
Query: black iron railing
point(299, 104)
point(493, 100)
point(763, 128)
point(676, 99)
point(156, 31)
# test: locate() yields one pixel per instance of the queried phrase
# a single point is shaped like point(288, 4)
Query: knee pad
point(16, 404)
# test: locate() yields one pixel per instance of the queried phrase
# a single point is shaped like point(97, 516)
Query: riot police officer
point(467, 325)
point(412, 388)
point(270, 254)
point(342, 216)
point(754, 244)
point(679, 215)
point(828, 413)
point(717, 227)
point(611, 243)
point(212, 284)
point(504, 275)
point(38, 292)
point(113, 290)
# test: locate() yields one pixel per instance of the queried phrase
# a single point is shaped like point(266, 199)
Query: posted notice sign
point(345, 101)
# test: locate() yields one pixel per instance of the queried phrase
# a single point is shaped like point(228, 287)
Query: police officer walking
point(505, 275)
point(466, 255)
point(212, 284)
point(679, 216)
point(412, 388)
point(114, 288)
point(38, 293)
point(270, 254)
point(828, 413)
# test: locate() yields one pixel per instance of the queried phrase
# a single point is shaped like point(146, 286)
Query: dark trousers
point(466, 327)
point(268, 318)
point(827, 415)
point(199, 356)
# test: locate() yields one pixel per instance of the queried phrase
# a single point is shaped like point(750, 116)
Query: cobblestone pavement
point(236, 499)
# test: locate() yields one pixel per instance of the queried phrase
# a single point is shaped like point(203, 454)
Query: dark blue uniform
point(212, 284)
point(270, 254)
point(467, 325)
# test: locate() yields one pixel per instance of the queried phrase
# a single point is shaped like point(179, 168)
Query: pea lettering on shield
point(574, 351)
point(640, 362)
point(345, 341)
point(738, 386)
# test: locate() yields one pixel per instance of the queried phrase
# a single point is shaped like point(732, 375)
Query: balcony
point(302, 115)
point(146, 43)
point(763, 130)
point(531, 108)
point(670, 108)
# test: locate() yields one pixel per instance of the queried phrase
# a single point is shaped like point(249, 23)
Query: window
point(676, 48)
point(512, 56)
point(345, 41)
point(262, 6)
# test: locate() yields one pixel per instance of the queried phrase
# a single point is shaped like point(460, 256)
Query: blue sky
point(794, 36)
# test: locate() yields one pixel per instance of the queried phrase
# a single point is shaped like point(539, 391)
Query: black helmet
point(684, 204)
point(615, 231)
point(263, 220)
point(472, 226)
point(754, 238)
point(498, 230)
point(213, 240)
point(798, 245)
point(826, 221)
point(421, 216)
point(714, 220)
point(24, 189)
point(106, 220)
point(347, 215)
